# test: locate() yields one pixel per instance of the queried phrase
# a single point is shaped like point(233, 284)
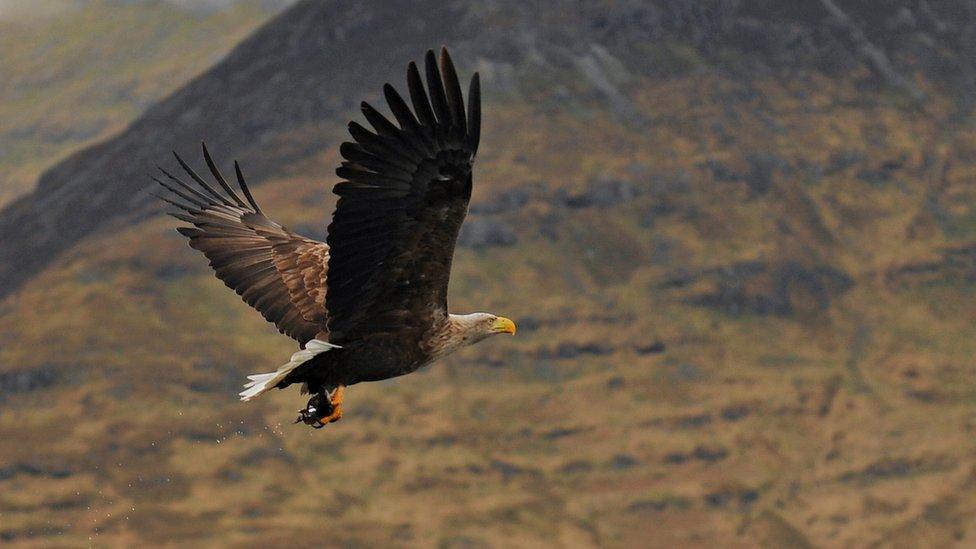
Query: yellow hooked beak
point(503, 325)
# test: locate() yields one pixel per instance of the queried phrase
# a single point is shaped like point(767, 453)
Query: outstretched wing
point(404, 196)
point(278, 272)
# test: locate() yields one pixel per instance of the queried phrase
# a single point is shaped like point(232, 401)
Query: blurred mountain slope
point(744, 290)
point(72, 74)
point(297, 81)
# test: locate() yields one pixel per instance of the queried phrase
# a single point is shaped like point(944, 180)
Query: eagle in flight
point(370, 303)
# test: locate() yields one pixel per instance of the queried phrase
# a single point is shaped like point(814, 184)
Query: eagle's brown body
point(373, 358)
point(370, 303)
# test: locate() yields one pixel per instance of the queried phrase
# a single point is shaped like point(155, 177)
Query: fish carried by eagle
point(370, 303)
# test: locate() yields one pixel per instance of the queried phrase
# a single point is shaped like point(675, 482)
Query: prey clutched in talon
point(322, 409)
point(318, 406)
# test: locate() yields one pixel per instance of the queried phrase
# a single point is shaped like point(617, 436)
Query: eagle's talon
point(335, 404)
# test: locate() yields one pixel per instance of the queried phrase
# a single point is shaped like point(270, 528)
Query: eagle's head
point(472, 328)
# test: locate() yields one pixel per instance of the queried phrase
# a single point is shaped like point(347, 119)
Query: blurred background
point(738, 236)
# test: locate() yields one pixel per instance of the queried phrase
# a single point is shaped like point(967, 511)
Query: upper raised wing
point(404, 196)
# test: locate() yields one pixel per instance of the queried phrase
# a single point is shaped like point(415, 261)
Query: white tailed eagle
point(370, 303)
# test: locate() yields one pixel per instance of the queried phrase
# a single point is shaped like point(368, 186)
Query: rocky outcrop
point(764, 288)
point(485, 233)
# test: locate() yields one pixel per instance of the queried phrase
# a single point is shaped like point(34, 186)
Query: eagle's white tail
point(262, 383)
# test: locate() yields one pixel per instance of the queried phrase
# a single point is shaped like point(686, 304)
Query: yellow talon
point(336, 399)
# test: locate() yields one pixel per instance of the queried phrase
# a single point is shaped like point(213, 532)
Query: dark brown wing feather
point(278, 272)
point(404, 196)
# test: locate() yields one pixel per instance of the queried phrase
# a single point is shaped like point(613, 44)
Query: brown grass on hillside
point(804, 396)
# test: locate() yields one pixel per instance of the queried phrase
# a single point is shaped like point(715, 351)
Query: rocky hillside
point(282, 94)
point(739, 238)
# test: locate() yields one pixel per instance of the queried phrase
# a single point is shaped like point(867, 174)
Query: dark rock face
point(700, 453)
point(735, 412)
point(603, 193)
point(15, 382)
point(842, 160)
point(34, 470)
point(721, 171)
point(485, 233)
point(728, 495)
point(899, 466)
point(766, 288)
point(762, 168)
point(624, 461)
point(507, 202)
point(957, 265)
point(173, 271)
point(650, 348)
point(569, 350)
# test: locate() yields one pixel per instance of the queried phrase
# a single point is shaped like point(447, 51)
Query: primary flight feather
point(370, 303)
